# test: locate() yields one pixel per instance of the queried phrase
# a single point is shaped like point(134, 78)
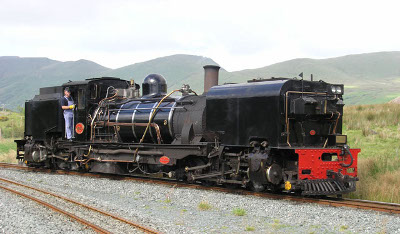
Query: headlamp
point(339, 90)
point(336, 89)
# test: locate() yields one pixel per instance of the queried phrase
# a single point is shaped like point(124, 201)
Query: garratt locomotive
point(267, 134)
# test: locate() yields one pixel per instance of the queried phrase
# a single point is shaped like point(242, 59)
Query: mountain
point(177, 69)
point(368, 78)
point(21, 78)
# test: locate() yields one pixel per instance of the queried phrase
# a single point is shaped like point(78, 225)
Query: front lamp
point(337, 140)
point(339, 90)
point(336, 89)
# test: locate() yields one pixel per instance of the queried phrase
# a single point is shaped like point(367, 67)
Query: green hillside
point(177, 69)
point(368, 78)
point(21, 78)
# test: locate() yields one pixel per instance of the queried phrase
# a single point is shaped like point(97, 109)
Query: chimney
point(210, 76)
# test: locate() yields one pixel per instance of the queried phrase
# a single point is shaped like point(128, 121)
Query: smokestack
point(210, 76)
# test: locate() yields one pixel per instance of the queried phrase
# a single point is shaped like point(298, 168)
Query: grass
point(249, 229)
point(204, 205)
point(343, 228)
point(11, 124)
point(11, 127)
point(6, 145)
point(167, 200)
point(239, 211)
point(278, 225)
point(7, 151)
point(375, 129)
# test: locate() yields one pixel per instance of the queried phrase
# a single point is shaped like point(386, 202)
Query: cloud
point(236, 34)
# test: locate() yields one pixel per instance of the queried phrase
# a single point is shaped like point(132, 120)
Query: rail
point(79, 219)
point(392, 208)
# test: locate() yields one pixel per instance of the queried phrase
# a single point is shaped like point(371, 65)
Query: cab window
point(93, 91)
point(81, 99)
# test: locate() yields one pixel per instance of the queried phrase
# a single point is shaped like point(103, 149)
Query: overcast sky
point(236, 34)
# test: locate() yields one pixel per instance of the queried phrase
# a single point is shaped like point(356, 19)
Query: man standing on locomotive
point(67, 104)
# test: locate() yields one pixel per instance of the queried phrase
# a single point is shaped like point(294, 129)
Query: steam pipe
point(347, 149)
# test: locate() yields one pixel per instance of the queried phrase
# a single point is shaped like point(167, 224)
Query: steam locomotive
point(275, 134)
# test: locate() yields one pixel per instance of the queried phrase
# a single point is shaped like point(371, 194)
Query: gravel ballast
point(178, 210)
point(20, 215)
point(93, 217)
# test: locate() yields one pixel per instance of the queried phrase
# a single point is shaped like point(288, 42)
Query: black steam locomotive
point(277, 134)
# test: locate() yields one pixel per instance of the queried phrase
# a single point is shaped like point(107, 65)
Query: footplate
point(326, 187)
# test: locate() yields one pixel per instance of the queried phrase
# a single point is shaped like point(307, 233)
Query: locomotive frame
point(278, 134)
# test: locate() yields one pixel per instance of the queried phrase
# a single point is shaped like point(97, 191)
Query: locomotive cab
point(87, 94)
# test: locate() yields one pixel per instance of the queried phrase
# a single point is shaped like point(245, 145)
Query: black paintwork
point(240, 113)
point(234, 114)
point(154, 85)
point(231, 134)
point(43, 115)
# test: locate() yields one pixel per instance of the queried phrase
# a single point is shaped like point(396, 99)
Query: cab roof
point(86, 81)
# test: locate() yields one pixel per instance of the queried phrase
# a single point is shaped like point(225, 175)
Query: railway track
point(3, 185)
point(392, 208)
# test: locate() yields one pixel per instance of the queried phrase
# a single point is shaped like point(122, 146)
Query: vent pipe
point(210, 76)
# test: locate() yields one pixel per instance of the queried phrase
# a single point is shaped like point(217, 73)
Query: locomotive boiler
point(274, 134)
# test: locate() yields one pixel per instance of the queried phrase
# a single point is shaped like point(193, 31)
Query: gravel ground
point(20, 215)
point(100, 220)
point(176, 210)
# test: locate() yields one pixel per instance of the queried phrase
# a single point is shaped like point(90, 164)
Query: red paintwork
point(164, 160)
point(310, 159)
point(79, 127)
